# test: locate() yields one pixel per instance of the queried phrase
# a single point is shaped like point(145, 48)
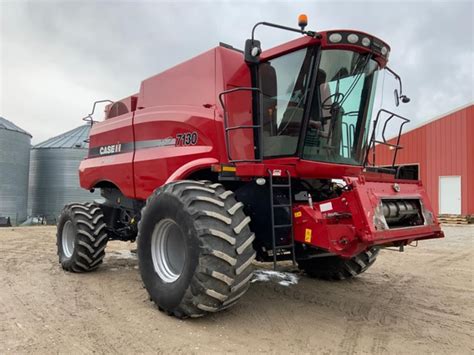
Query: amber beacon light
point(302, 21)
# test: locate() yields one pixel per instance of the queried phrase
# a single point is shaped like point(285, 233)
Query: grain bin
point(54, 177)
point(15, 146)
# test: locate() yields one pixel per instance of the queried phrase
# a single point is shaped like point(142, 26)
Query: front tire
point(337, 268)
point(194, 248)
point(81, 237)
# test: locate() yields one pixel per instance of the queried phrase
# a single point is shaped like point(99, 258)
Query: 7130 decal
point(188, 138)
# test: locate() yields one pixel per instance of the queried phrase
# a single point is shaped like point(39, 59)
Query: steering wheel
point(336, 98)
point(351, 113)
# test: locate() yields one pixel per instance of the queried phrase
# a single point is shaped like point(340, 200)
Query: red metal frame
point(184, 100)
point(345, 225)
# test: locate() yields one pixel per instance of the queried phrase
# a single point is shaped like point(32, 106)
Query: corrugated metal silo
point(54, 177)
point(15, 146)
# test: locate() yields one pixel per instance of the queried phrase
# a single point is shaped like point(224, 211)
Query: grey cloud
point(58, 57)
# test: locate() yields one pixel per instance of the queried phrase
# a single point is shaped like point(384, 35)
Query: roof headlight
point(335, 37)
point(352, 38)
point(384, 50)
point(365, 41)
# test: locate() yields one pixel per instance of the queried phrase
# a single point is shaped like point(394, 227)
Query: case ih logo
point(181, 139)
point(110, 149)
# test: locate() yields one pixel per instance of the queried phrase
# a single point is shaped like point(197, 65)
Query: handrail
point(374, 141)
point(227, 129)
point(89, 118)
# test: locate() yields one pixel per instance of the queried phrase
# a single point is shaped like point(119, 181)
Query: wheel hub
point(68, 239)
point(168, 250)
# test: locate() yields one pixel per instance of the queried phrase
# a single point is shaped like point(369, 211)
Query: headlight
point(365, 42)
point(352, 38)
point(335, 38)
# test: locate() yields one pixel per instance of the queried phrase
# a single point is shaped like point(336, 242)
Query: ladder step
point(284, 246)
point(274, 189)
point(282, 225)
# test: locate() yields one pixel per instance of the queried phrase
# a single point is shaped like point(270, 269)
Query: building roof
point(9, 126)
point(76, 138)
point(431, 120)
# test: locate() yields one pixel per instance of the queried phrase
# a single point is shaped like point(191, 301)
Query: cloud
point(58, 57)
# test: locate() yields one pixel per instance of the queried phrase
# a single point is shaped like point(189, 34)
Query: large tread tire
point(218, 243)
point(89, 232)
point(334, 268)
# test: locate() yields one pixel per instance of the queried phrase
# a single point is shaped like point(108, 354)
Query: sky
point(58, 57)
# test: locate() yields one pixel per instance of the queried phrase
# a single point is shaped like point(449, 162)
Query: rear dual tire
point(195, 248)
point(81, 237)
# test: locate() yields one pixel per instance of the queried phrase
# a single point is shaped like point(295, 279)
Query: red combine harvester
point(234, 156)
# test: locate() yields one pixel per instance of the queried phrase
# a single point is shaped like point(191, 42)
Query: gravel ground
point(420, 301)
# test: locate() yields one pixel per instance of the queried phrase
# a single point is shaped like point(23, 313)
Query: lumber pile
point(455, 219)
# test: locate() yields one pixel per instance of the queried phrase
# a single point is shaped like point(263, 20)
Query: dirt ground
point(420, 301)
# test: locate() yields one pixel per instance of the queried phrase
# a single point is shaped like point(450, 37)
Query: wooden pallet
point(455, 219)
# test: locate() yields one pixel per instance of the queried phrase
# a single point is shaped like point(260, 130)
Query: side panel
point(101, 165)
point(176, 129)
point(168, 138)
point(470, 162)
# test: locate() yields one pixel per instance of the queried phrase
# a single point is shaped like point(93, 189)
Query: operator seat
point(268, 85)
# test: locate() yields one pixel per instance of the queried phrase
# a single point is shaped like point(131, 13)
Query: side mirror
point(398, 95)
point(405, 99)
point(252, 51)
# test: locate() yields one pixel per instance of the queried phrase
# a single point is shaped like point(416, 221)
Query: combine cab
point(234, 156)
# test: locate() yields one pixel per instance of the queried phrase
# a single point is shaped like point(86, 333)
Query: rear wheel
point(81, 237)
point(337, 268)
point(194, 248)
